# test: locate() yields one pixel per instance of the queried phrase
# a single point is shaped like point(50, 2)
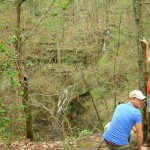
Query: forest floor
point(91, 142)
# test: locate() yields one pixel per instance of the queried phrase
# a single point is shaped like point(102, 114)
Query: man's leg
point(131, 135)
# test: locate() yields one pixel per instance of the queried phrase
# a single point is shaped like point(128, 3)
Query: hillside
point(90, 142)
point(64, 66)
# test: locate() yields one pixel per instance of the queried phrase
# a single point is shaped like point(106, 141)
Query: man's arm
point(145, 47)
point(139, 134)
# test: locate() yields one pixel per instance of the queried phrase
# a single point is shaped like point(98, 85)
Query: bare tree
point(22, 78)
point(141, 58)
point(115, 63)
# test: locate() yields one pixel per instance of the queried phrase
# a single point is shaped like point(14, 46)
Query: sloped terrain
point(91, 142)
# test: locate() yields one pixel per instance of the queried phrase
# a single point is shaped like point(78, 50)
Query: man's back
point(124, 118)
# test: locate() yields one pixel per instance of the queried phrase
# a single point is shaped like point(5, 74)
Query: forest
point(64, 66)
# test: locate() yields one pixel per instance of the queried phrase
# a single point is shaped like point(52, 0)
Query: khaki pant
point(124, 147)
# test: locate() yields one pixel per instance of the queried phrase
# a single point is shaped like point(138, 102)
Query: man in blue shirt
point(124, 118)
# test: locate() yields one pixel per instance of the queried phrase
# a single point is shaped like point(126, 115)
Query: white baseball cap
point(137, 94)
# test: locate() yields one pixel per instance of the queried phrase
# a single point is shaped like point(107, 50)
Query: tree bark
point(58, 49)
point(115, 63)
point(141, 59)
point(23, 80)
point(27, 109)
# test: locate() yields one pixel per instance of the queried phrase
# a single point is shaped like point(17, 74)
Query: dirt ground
point(91, 142)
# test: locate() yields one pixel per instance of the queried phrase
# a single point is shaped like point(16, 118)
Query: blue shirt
point(124, 118)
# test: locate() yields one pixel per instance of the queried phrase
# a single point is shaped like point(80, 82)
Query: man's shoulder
point(129, 107)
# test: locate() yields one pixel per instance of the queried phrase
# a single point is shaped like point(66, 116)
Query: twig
point(32, 31)
point(146, 3)
point(93, 102)
point(35, 27)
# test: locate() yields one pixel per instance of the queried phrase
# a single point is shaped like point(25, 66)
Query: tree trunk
point(141, 59)
point(27, 109)
point(115, 63)
point(22, 79)
point(58, 49)
point(148, 138)
point(107, 13)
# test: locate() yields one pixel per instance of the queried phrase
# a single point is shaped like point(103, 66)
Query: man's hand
point(142, 148)
point(144, 42)
point(134, 129)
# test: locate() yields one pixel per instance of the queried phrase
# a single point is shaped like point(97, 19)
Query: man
point(145, 47)
point(124, 118)
point(133, 129)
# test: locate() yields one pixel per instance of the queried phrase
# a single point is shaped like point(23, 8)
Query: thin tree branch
point(21, 2)
point(37, 24)
point(146, 3)
point(31, 33)
point(93, 102)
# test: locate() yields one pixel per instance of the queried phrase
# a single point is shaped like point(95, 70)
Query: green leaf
point(2, 111)
point(3, 49)
point(21, 93)
point(64, 4)
point(22, 106)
